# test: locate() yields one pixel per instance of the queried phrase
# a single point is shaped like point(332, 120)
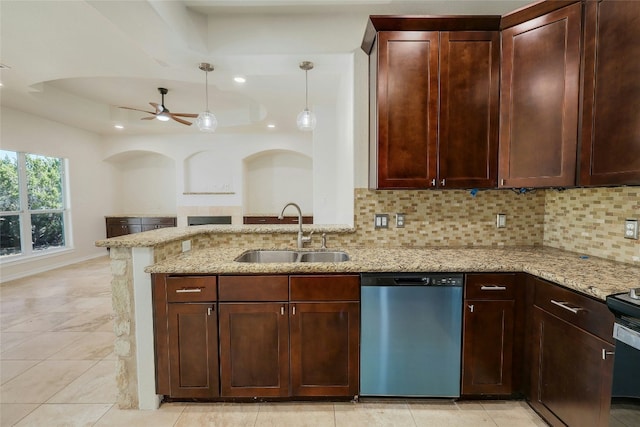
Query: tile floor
point(57, 369)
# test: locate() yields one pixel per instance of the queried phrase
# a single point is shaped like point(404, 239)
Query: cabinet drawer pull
point(564, 305)
point(293, 310)
point(188, 291)
point(493, 288)
point(282, 311)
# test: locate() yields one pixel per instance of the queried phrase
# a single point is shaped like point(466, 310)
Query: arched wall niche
point(273, 178)
point(146, 182)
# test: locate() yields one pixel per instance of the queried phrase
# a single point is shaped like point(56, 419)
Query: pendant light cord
point(206, 88)
point(306, 89)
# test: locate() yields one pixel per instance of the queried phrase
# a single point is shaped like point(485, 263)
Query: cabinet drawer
point(586, 313)
point(325, 288)
point(492, 286)
point(124, 221)
point(275, 220)
point(191, 288)
point(254, 288)
point(168, 221)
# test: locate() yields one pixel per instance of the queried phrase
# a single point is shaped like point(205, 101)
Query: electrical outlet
point(631, 229)
point(186, 245)
point(501, 220)
point(399, 220)
point(381, 221)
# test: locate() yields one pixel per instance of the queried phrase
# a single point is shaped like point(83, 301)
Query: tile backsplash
point(585, 220)
point(591, 221)
point(448, 218)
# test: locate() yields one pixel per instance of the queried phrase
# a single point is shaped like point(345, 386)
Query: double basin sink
point(259, 256)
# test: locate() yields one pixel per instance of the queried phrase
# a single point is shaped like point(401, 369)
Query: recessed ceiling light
point(118, 126)
point(239, 79)
point(271, 126)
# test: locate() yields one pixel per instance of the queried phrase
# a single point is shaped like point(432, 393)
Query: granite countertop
point(593, 276)
point(170, 234)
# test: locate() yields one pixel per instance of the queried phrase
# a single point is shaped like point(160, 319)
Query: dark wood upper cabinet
point(469, 109)
point(407, 109)
point(433, 101)
point(610, 152)
point(540, 84)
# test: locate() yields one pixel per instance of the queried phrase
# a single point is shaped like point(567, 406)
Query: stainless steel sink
point(330, 256)
point(269, 256)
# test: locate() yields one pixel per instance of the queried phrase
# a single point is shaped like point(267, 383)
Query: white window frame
point(24, 214)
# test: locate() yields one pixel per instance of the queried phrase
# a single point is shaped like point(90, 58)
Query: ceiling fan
point(162, 113)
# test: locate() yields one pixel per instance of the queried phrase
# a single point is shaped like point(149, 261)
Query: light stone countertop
point(590, 275)
point(170, 234)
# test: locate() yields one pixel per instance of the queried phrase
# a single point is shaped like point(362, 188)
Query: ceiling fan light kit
point(306, 120)
point(162, 113)
point(206, 121)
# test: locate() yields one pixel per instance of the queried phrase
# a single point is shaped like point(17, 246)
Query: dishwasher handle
point(412, 281)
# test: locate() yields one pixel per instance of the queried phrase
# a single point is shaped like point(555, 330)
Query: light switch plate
point(399, 220)
point(501, 220)
point(631, 229)
point(381, 221)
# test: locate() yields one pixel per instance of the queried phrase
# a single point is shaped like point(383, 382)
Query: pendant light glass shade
point(306, 119)
point(206, 121)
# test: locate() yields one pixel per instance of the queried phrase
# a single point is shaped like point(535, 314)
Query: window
point(33, 213)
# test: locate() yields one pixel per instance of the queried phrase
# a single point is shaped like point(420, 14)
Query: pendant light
point(206, 121)
point(306, 119)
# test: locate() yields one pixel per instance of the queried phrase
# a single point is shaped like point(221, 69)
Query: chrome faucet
point(301, 239)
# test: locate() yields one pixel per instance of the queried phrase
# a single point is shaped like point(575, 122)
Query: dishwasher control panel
point(412, 279)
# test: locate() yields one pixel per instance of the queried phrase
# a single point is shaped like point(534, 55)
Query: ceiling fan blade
point(185, 115)
point(159, 108)
point(179, 120)
point(137, 109)
point(149, 118)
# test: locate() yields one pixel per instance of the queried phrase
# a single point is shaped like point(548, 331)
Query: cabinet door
point(193, 350)
point(539, 100)
point(610, 134)
point(487, 349)
point(469, 92)
point(571, 373)
point(325, 349)
point(254, 349)
point(407, 109)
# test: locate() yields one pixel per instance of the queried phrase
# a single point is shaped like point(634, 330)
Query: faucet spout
point(301, 239)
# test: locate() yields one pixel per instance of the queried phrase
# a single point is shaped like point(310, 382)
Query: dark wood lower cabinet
point(254, 349)
point(488, 347)
point(193, 350)
point(490, 351)
point(571, 373)
point(324, 348)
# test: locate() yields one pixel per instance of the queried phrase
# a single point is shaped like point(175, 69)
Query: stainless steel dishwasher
point(411, 334)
